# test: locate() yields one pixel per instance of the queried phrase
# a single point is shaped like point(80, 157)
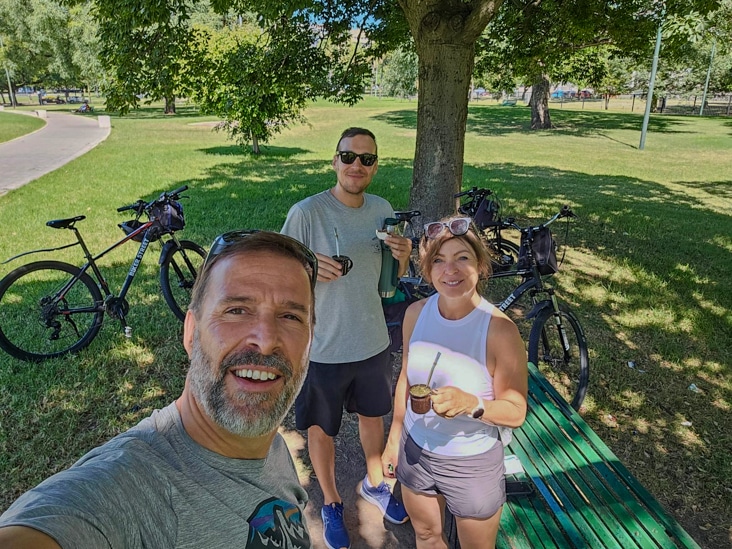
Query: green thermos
point(389, 266)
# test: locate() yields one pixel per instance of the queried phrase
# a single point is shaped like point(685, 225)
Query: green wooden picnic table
point(582, 496)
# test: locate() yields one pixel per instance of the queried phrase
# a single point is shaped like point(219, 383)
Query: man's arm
point(22, 537)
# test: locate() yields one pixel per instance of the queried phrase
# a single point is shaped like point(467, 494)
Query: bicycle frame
point(92, 265)
point(534, 284)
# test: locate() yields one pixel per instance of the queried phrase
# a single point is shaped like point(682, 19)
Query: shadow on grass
point(156, 112)
point(246, 152)
point(493, 120)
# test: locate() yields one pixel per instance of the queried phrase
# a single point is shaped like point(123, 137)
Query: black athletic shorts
point(363, 387)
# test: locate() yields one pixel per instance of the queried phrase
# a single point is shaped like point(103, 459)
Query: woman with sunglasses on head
point(473, 359)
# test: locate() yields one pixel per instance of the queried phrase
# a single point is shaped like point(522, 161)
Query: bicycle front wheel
point(48, 309)
point(178, 272)
point(564, 361)
point(503, 253)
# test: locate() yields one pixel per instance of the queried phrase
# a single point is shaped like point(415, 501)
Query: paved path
point(64, 137)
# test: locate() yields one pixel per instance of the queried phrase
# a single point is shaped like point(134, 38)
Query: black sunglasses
point(297, 249)
point(349, 157)
point(457, 227)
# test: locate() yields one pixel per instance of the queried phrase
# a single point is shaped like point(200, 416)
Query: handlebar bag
point(544, 250)
point(485, 215)
point(169, 216)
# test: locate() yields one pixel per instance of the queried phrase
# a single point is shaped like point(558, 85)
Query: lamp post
point(13, 102)
point(706, 82)
point(649, 97)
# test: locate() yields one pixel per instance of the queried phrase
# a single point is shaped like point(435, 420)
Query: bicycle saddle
point(64, 223)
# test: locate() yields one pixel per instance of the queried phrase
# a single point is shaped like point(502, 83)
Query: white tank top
point(462, 364)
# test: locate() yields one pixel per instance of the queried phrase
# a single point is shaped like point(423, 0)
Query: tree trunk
point(170, 105)
point(444, 33)
point(540, 119)
point(255, 144)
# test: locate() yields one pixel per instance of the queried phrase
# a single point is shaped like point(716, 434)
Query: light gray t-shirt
point(154, 487)
point(349, 318)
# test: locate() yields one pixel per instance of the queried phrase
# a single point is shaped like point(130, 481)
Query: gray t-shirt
point(154, 487)
point(349, 318)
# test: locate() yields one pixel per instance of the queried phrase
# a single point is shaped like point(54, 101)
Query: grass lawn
point(646, 269)
point(13, 125)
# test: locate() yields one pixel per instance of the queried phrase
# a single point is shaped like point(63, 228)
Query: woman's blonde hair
point(430, 247)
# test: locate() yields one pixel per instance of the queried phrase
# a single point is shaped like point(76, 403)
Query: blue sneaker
point(334, 529)
point(382, 497)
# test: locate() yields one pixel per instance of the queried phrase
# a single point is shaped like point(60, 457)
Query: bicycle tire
point(30, 333)
point(570, 375)
point(178, 272)
point(503, 254)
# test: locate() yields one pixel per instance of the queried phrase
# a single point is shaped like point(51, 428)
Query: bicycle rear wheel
point(178, 272)
point(566, 367)
point(48, 309)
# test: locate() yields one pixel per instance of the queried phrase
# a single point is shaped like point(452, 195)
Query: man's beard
point(244, 414)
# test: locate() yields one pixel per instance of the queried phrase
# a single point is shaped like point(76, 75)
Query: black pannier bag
point(544, 249)
point(485, 215)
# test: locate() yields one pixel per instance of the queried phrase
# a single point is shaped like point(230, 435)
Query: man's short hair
point(353, 132)
point(255, 241)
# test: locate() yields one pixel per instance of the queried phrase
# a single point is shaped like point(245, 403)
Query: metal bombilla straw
point(335, 232)
point(433, 368)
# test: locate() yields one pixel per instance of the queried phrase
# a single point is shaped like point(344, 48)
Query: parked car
point(53, 98)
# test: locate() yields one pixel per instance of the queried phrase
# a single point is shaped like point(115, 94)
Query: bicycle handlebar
point(473, 192)
point(135, 206)
point(141, 205)
point(510, 222)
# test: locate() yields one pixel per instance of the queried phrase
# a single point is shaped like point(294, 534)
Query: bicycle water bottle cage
point(64, 223)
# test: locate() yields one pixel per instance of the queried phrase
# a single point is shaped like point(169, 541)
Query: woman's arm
point(506, 358)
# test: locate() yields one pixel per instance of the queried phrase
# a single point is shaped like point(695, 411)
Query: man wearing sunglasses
point(350, 361)
point(210, 469)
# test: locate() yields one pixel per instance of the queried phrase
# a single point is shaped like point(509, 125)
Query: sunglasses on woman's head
point(349, 157)
point(225, 240)
point(457, 227)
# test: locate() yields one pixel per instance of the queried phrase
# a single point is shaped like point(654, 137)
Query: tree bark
point(170, 105)
point(444, 32)
point(540, 118)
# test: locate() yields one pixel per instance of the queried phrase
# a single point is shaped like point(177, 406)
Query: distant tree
point(399, 73)
point(256, 82)
point(539, 40)
point(48, 44)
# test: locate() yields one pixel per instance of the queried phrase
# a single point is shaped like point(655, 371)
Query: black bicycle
point(51, 308)
point(557, 343)
point(484, 207)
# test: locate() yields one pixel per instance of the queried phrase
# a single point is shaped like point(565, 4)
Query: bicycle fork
point(560, 327)
point(117, 306)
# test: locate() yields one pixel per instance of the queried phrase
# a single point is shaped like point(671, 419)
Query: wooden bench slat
point(521, 513)
point(644, 509)
point(575, 517)
point(583, 491)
